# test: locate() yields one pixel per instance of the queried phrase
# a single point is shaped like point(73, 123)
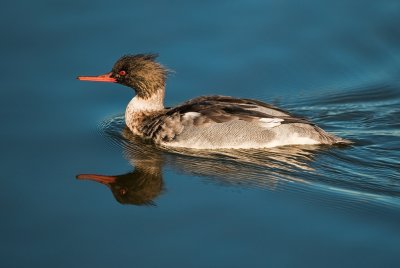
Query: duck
point(206, 122)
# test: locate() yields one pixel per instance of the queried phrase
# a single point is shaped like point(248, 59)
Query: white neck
point(140, 105)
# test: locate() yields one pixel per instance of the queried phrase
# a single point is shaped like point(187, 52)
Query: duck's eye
point(122, 73)
point(122, 191)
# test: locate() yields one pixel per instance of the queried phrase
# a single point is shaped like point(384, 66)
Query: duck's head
point(141, 72)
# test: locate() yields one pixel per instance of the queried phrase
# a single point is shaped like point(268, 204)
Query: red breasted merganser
point(206, 122)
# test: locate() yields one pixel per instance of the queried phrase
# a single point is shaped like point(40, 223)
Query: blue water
point(335, 62)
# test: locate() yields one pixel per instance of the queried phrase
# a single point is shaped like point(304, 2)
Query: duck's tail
point(328, 138)
point(341, 141)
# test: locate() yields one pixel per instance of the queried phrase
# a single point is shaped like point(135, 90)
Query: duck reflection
point(259, 168)
point(139, 187)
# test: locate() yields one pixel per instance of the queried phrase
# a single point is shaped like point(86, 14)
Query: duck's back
point(214, 122)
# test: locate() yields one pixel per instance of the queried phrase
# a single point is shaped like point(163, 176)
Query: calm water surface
point(336, 63)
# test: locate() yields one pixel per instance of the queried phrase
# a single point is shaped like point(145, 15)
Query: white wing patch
point(191, 115)
point(270, 122)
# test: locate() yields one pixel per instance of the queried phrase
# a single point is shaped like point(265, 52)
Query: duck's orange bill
point(99, 178)
point(101, 78)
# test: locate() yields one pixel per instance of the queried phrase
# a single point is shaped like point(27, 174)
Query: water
point(335, 62)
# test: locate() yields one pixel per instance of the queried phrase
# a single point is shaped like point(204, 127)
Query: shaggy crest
point(141, 72)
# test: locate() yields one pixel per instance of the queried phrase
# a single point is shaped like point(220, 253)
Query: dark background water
point(336, 62)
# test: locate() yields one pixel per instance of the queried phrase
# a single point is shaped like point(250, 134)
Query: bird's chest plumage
point(134, 121)
point(138, 112)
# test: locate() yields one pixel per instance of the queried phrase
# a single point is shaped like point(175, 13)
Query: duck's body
point(207, 122)
point(213, 122)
